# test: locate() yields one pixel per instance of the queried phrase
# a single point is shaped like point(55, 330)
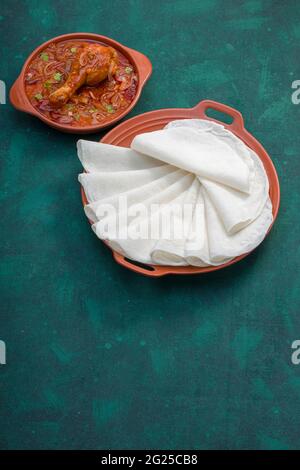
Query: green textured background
point(100, 357)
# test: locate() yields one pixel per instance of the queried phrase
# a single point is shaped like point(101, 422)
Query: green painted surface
point(97, 356)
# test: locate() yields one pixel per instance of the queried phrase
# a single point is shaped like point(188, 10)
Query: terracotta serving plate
point(124, 133)
point(140, 62)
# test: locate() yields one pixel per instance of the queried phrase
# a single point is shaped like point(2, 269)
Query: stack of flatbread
point(190, 194)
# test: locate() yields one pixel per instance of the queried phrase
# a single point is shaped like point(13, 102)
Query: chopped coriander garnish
point(110, 108)
point(128, 69)
point(57, 76)
point(47, 84)
point(93, 110)
point(38, 96)
point(44, 56)
point(73, 50)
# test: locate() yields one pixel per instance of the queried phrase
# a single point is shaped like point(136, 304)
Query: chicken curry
point(80, 83)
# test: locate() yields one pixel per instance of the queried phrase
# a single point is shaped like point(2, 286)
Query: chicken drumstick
point(92, 65)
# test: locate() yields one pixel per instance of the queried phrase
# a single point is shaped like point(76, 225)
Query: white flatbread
point(200, 152)
point(235, 208)
point(192, 163)
point(222, 245)
point(95, 156)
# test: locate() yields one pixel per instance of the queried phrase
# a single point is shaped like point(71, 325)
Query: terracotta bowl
point(140, 62)
point(123, 135)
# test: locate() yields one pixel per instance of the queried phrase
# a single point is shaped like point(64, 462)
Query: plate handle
point(143, 65)
point(17, 98)
point(140, 268)
point(238, 121)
